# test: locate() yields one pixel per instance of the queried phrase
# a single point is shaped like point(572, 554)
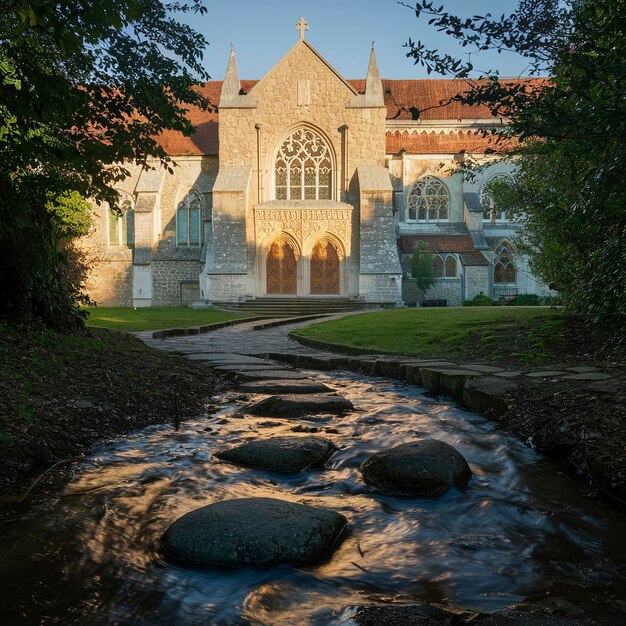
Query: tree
point(568, 191)
point(84, 87)
point(422, 266)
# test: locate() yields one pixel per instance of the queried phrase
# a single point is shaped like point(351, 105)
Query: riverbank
point(59, 394)
point(565, 378)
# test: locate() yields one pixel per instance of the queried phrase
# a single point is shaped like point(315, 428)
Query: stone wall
point(167, 277)
point(476, 281)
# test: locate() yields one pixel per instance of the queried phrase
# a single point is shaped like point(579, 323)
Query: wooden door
point(325, 269)
point(282, 274)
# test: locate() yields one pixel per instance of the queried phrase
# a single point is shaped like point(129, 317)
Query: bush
point(479, 301)
point(524, 299)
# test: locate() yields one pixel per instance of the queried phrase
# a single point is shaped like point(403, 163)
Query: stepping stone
point(425, 468)
point(484, 369)
point(583, 369)
point(281, 454)
point(547, 374)
point(284, 387)
point(244, 367)
point(274, 374)
point(588, 376)
point(293, 406)
point(253, 531)
point(511, 374)
point(488, 395)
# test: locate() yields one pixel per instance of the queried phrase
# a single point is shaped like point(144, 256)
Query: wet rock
point(426, 468)
point(295, 406)
point(488, 395)
point(284, 387)
point(253, 531)
point(305, 429)
point(281, 454)
point(275, 374)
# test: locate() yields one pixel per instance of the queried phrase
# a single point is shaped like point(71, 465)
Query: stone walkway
point(240, 339)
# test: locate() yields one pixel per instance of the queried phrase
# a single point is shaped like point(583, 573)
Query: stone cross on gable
point(302, 25)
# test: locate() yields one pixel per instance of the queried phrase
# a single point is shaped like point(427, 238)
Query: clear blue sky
point(342, 31)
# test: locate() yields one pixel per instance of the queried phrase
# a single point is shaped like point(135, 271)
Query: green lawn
point(154, 318)
point(526, 334)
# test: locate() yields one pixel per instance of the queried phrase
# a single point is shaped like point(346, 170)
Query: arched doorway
point(324, 269)
point(282, 273)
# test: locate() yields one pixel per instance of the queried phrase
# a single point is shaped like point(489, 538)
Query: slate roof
point(405, 100)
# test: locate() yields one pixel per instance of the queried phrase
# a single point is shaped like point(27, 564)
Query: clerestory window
point(428, 201)
point(303, 168)
point(491, 213)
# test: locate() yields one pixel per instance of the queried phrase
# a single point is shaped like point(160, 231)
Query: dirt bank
point(61, 393)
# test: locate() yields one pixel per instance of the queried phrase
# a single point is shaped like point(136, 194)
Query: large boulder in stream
point(425, 468)
point(282, 454)
point(253, 531)
point(296, 406)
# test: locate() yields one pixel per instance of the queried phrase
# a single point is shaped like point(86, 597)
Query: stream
point(87, 552)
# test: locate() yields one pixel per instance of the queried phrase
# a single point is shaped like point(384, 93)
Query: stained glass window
point(303, 168)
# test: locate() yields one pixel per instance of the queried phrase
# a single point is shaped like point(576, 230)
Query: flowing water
point(89, 553)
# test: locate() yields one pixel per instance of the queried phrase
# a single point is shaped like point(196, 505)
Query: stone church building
point(305, 184)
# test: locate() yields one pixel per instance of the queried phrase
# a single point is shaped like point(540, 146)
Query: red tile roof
point(405, 100)
point(438, 243)
point(433, 142)
point(473, 258)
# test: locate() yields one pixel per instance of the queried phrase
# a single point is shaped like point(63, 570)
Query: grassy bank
point(524, 333)
point(154, 318)
point(61, 393)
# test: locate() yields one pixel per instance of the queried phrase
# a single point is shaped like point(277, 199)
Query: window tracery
point(490, 211)
point(303, 167)
point(428, 201)
point(504, 270)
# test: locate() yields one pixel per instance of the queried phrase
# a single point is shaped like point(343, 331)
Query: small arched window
point(189, 220)
point(490, 211)
point(122, 221)
point(444, 266)
point(504, 270)
point(303, 168)
point(428, 201)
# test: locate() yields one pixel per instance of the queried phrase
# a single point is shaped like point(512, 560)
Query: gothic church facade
point(304, 184)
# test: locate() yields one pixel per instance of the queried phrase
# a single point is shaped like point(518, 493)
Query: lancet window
point(122, 222)
point(303, 168)
point(189, 220)
point(504, 270)
point(428, 201)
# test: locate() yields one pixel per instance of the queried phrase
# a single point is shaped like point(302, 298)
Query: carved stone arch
point(312, 241)
point(310, 136)
point(280, 255)
point(271, 237)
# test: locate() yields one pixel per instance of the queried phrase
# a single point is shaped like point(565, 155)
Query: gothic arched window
point(490, 211)
point(444, 266)
point(189, 220)
point(303, 169)
point(122, 221)
point(504, 271)
point(428, 201)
